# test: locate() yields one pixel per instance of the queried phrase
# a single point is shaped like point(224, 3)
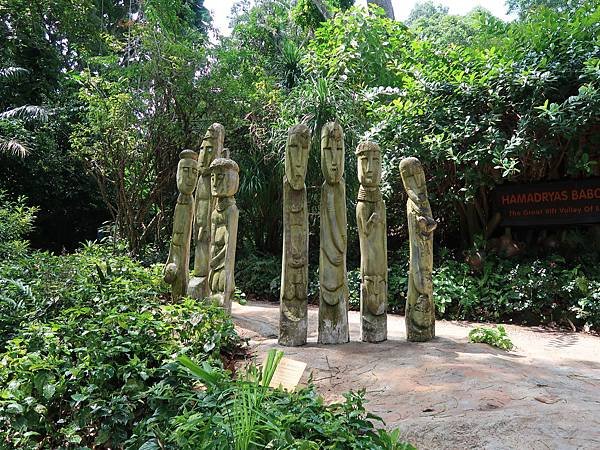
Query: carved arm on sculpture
point(426, 225)
point(171, 267)
point(374, 220)
point(216, 260)
point(421, 276)
point(202, 234)
point(420, 201)
point(334, 255)
point(232, 224)
point(335, 252)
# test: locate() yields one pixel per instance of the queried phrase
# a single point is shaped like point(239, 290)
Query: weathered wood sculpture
point(176, 270)
point(333, 298)
point(211, 148)
point(294, 267)
point(420, 309)
point(371, 222)
point(225, 182)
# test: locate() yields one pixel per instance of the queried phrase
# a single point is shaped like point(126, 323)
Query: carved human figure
point(294, 267)
point(371, 222)
point(420, 309)
point(176, 270)
point(210, 148)
point(223, 232)
point(333, 289)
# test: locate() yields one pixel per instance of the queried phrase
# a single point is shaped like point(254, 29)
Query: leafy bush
point(16, 220)
point(496, 337)
point(89, 349)
point(246, 413)
point(530, 291)
point(259, 275)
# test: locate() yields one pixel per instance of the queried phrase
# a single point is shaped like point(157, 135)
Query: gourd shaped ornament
point(371, 222)
point(176, 270)
point(333, 279)
point(420, 309)
point(294, 265)
point(211, 148)
point(225, 182)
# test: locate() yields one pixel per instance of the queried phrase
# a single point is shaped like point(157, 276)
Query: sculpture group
point(206, 216)
point(372, 231)
point(207, 184)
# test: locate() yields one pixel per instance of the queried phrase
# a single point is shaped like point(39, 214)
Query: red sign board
point(565, 202)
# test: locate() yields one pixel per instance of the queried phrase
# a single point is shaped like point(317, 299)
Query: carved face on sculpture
point(413, 177)
point(225, 179)
point(332, 152)
point(368, 158)
point(296, 155)
point(187, 172)
point(211, 147)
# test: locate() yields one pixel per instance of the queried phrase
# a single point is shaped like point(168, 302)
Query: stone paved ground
point(451, 394)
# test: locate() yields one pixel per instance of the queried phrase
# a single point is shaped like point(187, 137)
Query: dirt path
point(451, 394)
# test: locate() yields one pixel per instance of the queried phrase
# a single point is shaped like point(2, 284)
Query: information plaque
point(566, 202)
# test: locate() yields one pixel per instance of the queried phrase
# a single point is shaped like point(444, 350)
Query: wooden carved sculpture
point(333, 292)
point(371, 222)
point(294, 267)
point(420, 309)
point(211, 148)
point(225, 182)
point(176, 271)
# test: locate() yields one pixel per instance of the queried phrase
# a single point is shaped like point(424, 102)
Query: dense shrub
point(259, 275)
point(16, 220)
point(89, 343)
point(530, 291)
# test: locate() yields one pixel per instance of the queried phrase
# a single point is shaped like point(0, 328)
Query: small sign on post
point(288, 374)
point(566, 202)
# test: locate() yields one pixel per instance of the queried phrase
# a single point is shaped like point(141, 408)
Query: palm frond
point(14, 147)
point(27, 112)
point(12, 73)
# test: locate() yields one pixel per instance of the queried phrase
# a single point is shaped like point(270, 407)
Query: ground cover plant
point(87, 351)
point(496, 337)
point(247, 414)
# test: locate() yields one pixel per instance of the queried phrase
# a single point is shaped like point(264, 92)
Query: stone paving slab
point(452, 394)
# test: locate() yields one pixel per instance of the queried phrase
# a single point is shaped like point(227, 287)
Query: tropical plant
point(496, 337)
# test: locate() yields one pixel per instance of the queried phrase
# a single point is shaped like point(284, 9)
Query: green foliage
point(531, 291)
point(496, 337)
point(246, 414)
point(16, 221)
point(308, 16)
point(88, 350)
point(470, 111)
point(140, 115)
point(259, 275)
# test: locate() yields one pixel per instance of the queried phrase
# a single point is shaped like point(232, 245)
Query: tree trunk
point(323, 9)
point(386, 5)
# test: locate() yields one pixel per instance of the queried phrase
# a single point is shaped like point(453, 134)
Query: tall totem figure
point(420, 309)
point(294, 267)
point(333, 298)
point(211, 148)
point(176, 270)
point(225, 182)
point(371, 221)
